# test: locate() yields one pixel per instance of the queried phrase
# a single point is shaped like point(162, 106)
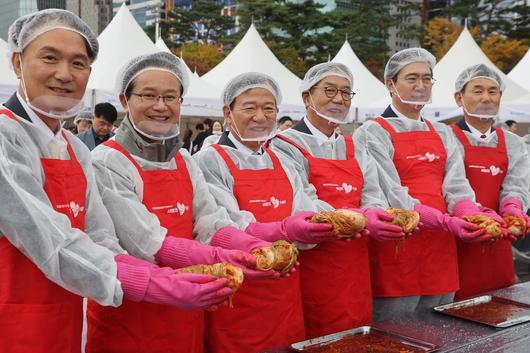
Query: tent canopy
point(521, 72)
point(464, 53)
point(122, 40)
point(252, 54)
point(367, 87)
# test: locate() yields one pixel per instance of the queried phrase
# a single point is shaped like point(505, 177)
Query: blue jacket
point(89, 139)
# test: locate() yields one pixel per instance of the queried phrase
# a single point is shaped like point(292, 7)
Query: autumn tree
point(200, 57)
point(505, 53)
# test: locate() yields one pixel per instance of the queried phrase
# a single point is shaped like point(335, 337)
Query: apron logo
point(274, 202)
point(347, 188)
point(429, 157)
point(179, 208)
point(76, 208)
point(493, 170)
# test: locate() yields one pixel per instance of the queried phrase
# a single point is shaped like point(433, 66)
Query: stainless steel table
point(455, 335)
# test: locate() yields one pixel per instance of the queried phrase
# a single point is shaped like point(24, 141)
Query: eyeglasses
point(152, 98)
point(414, 81)
point(331, 92)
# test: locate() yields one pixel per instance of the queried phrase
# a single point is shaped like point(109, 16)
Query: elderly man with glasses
point(335, 275)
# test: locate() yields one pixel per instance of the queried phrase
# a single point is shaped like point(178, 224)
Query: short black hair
point(283, 119)
point(106, 111)
point(199, 126)
point(208, 122)
point(510, 122)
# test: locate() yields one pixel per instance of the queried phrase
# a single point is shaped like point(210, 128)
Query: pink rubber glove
point(434, 219)
point(465, 207)
point(180, 252)
point(293, 228)
point(182, 291)
point(233, 238)
point(493, 215)
point(378, 226)
point(514, 207)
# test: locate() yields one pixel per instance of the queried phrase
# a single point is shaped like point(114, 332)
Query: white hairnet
point(248, 80)
point(26, 28)
point(84, 115)
point(478, 71)
point(319, 71)
point(157, 61)
point(407, 56)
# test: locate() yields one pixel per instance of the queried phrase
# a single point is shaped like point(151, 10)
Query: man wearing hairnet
point(335, 275)
point(57, 241)
point(255, 185)
point(83, 121)
point(497, 167)
point(162, 209)
point(420, 168)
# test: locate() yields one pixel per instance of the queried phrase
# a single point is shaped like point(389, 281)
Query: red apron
point(425, 264)
point(335, 275)
point(484, 267)
point(37, 315)
point(266, 313)
point(146, 327)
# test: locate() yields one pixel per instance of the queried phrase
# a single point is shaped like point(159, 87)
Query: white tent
point(521, 72)
point(8, 80)
point(252, 54)
point(368, 89)
point(464, 53)
point(202, 98)
point(119, 42)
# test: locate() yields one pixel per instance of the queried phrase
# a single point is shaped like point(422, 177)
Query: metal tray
point(416, 344)
point(488, 310)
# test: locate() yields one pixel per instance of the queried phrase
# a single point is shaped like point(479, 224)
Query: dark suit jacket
point(89, 139)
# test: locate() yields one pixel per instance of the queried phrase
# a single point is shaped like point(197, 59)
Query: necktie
point(483, 136)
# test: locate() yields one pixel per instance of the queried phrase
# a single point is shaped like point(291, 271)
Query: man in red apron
point(160, 203)
point(57, 242)
point(260, 190)
point(419, 168)
point(497, 167)
point(335, 275)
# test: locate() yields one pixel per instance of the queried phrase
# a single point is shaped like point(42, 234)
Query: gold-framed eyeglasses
point(331, 92)
point(153, 98)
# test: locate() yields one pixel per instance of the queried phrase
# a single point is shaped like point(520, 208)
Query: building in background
point(96, 13)
point(10, 10)
point(397, 40)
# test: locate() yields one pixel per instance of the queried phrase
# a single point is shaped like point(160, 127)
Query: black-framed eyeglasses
point(153, 98)
point(331, 92)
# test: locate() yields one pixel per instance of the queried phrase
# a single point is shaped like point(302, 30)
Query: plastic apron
point(426, 263)
point(266, 313)
point(335, 275)
point(37, 315)
point(484, 267)
point(147, 327)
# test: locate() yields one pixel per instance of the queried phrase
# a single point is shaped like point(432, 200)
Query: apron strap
point(9, 113)
point(302, 150)
point(501, 140)
point(70, 151)
point(350, 147)
point(182, 167)
point(461, 136)
point(229, 162)
point(118, 147)
point(385, 124)
point(429, 124)
point(276, 165)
